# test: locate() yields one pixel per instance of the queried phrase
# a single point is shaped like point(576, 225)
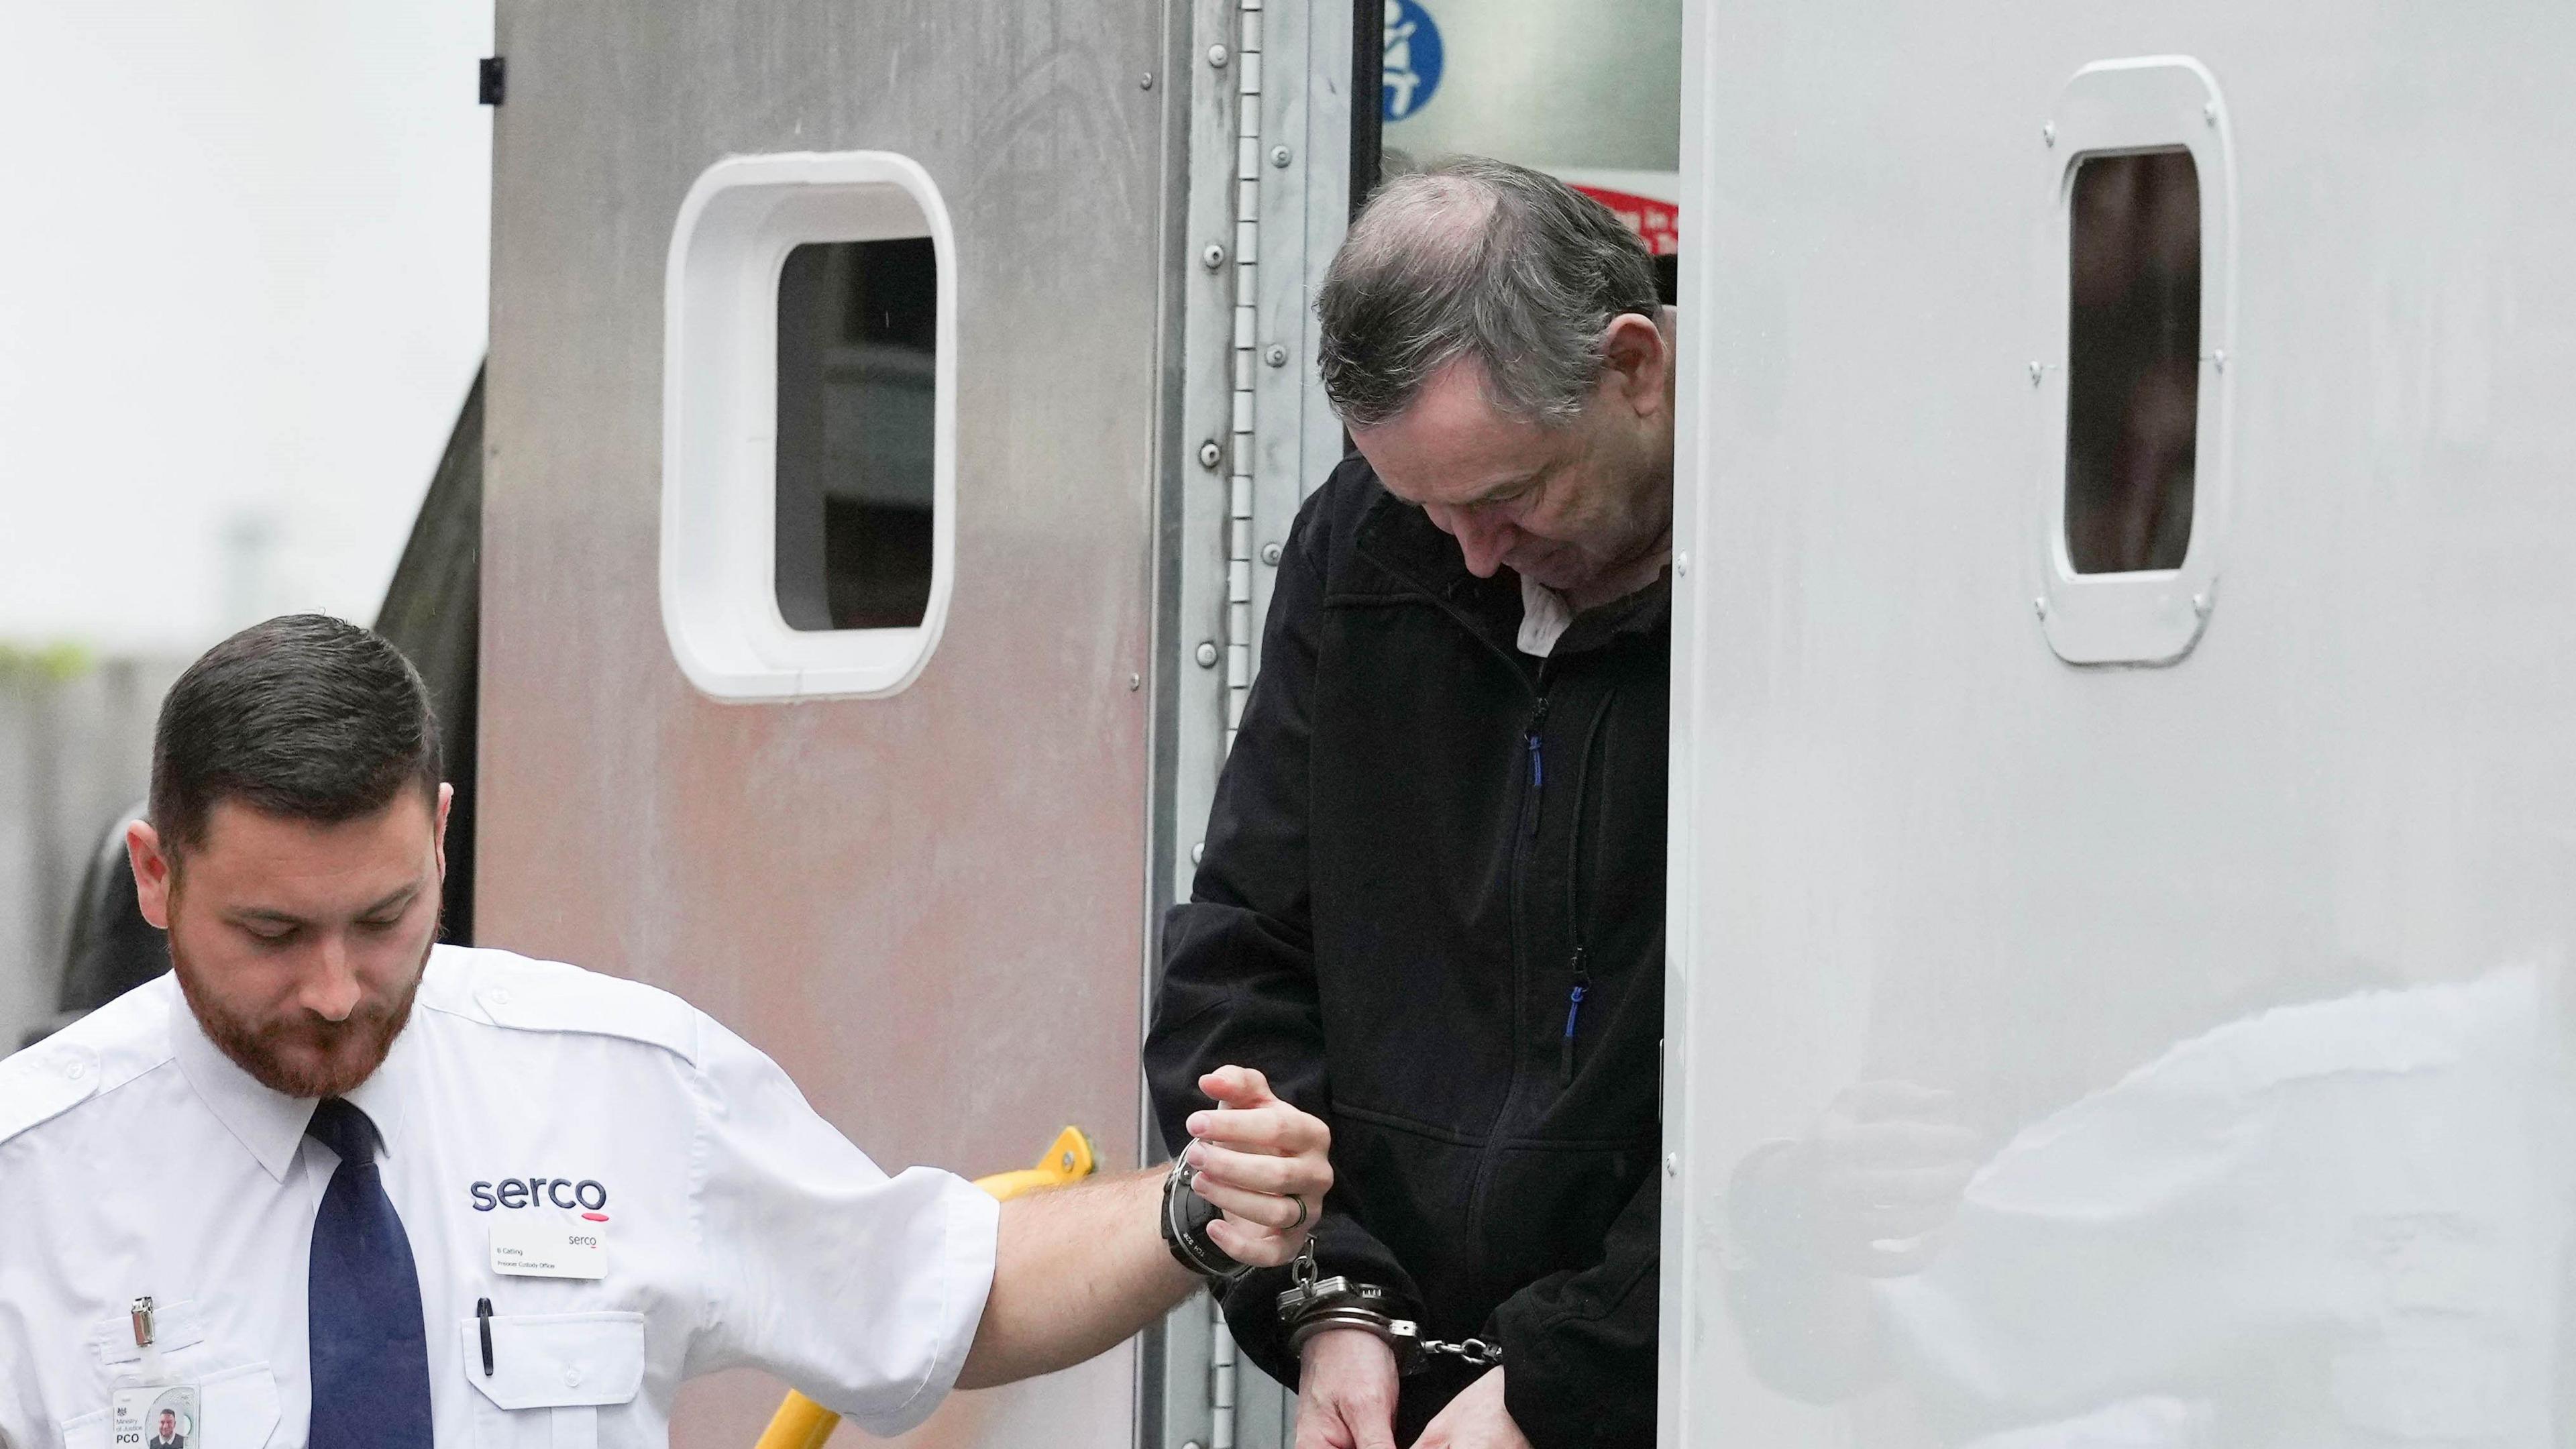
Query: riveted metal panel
point(1267, 201)
point(2251, 970)
point(931, 907)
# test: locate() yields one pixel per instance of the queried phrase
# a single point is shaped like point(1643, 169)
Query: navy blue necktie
point(370, 1345)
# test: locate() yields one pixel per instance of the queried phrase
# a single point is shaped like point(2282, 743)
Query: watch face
point(1185, 1219)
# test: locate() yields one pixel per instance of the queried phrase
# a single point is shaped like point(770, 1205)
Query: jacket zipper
point(1578, 967)
point(1521, 1024)
point(1537, 767)
point(1573, 1014)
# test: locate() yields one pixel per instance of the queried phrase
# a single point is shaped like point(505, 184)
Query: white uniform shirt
point(524, 1096)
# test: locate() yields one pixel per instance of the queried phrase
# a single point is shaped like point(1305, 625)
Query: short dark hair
point(1477, 258)
point(305, 716)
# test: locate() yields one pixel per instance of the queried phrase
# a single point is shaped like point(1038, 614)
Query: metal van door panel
point(929, 907)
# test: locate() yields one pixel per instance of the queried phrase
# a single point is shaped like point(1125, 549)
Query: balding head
point(1482, 260)
point(1494, 342)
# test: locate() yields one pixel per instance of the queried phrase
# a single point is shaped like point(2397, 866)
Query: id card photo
point(156, 1416)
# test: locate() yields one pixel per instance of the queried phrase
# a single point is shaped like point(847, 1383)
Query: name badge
point(161, 1416)
point(549, 1250)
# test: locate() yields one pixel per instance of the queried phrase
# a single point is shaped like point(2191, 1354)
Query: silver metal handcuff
point(1317, 1305)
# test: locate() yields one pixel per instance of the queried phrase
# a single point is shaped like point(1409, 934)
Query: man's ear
point(153, 870)
point(1637, 362)
point(446, 801)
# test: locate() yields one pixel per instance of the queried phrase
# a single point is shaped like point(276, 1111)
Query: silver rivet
point(1275, 355)
point(2036, 369)
point(2040, 607)
point(1145, 82)
point(1218, 55)
point(1212, 256)
point(1196, 851)
point(1067, 1160)
point(1270, 554)
point(2048, 133)
point(1135, 682)
point(2209, 113)
point(1206, 655)
point(1210, 454)
point(1279, 155)
point(1672, 1164)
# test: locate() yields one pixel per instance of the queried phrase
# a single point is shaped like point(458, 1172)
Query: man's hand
point(1346, 1392)
point(1264, 1163)
point(1476, 1419)
point(1078, 1268)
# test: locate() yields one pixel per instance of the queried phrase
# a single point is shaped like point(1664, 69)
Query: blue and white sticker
point(1413, 60)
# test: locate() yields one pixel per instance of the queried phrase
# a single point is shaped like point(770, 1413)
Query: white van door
point(2120, 883)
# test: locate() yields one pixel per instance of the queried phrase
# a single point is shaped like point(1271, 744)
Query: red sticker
point(596, 1217)
point(1657, 223)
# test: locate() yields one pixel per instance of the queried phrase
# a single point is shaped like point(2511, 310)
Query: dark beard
point(253, 1048)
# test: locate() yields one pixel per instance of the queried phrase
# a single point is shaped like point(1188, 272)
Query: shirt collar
point(270, 1123)
point(381, 1096)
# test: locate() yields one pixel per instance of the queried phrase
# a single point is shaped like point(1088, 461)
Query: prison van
point(2121, 672)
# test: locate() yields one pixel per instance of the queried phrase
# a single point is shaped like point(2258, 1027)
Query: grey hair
point(1482, 259)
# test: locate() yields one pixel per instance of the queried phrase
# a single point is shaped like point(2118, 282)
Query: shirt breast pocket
point(551, 1374)
point(239, 1405)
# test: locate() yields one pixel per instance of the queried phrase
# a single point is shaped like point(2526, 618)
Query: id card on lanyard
point(156, 1413)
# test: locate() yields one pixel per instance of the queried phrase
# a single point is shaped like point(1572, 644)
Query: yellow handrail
point(800, 1423)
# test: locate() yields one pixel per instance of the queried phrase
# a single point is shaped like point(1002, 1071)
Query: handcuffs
point(1316, 1304)
point(1319, 1305)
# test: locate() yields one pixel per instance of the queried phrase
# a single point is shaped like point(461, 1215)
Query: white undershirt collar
point(1544, 616)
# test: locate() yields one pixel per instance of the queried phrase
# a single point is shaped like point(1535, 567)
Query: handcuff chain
point(1304, 1313)
point(1475, 1351)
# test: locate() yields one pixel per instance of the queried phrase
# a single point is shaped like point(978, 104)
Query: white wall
point(242, 294)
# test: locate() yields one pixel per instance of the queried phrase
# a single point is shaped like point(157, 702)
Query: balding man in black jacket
point(1431, 905)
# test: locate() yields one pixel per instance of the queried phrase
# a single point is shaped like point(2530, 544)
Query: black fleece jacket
point(1431, 909)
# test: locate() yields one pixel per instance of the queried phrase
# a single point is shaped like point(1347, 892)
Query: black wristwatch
point(1186, 1216)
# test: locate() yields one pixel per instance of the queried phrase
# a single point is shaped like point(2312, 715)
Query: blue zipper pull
point(1573, 1014)
point(1538, 762)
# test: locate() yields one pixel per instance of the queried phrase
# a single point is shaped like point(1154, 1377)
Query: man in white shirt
point(336, 1186)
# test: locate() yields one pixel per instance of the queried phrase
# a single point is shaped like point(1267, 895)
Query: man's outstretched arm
point(1080, 1268)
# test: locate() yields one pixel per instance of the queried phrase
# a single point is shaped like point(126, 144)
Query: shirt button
point(572, 1378)
point(75, 1069)
point(498, 996)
